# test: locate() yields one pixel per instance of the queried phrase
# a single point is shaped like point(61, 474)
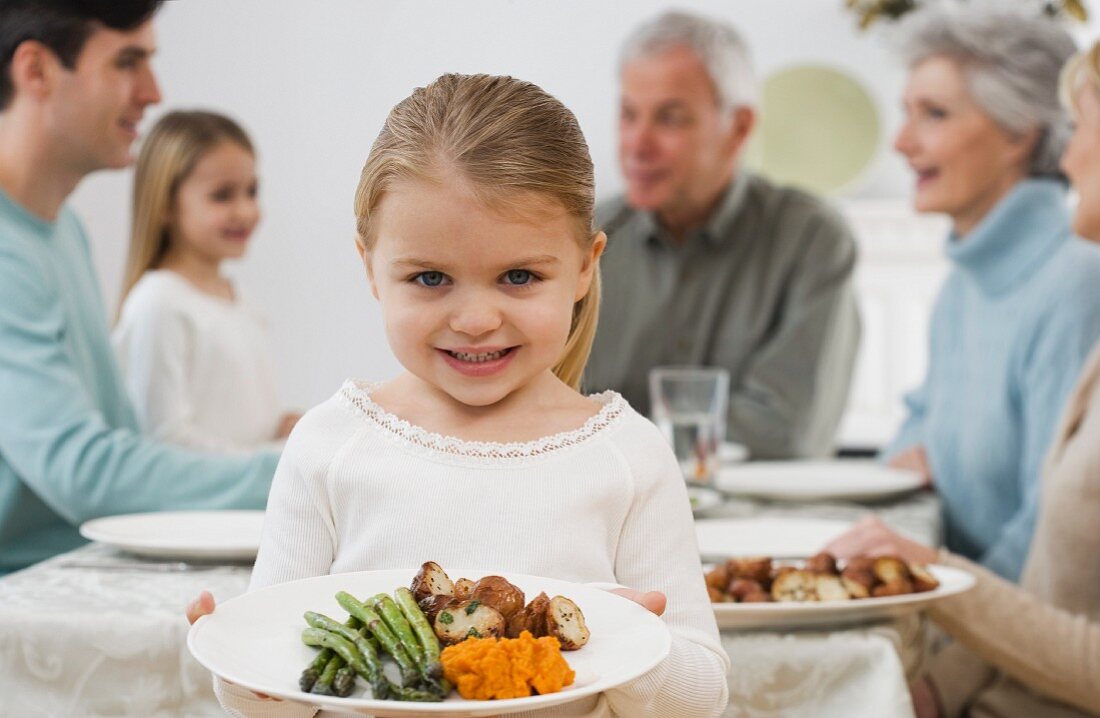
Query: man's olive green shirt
point(764, 290)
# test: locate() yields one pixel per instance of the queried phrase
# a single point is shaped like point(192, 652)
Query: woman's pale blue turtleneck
point(1012, 325)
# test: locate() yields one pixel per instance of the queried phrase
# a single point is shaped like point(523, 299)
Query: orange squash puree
point(486, 668)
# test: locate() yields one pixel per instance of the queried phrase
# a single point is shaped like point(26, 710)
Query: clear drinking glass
point(688, 403)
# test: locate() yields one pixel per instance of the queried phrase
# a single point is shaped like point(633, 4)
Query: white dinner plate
point(731, 453)
point(842, 480)
point(704, 497)
point(254, 641)
point(228, 535)
point(792, 614)
point(776, 537)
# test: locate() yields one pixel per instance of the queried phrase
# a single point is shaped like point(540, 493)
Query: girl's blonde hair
point(168, 155)
point(508, 138)
point(1082, 68)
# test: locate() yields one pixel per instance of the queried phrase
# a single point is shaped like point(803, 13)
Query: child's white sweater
point(358, 488)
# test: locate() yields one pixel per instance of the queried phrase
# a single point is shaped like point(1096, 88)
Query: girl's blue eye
point(518, 277)
point(430, 279)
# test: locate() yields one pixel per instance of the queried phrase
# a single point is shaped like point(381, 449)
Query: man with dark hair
point(75, 79)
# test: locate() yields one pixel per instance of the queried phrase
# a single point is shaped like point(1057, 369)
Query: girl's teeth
point(477, 358)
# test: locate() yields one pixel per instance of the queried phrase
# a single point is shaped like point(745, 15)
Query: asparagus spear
point(429, 642)
point(322, 638)
point(344, 682)
point(323, 686)
point(364, 647)
point(409, 670)
point(313, 671)
point(397, 623)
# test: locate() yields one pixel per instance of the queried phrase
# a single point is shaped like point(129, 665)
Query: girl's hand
point(202, 606)
point(286, 424)
point(871, 537)
point(914, 459)
point(652, 601)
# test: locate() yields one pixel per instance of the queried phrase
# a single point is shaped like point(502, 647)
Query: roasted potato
point(714, 594)
point(828, 587)
point(897, 587)
point(531, 617)
point(757, 569)
point(463, 588)
point(758, 597)
point(718, 577)
point(467, 619)
point(565, 622)
point(857, 589)
point(923, 580)
point(890, 569)
point(822, 563)
point(741, 587)
point(431, 605)
point(794, 585)
point(861, 577)
point(860, 563)
point(497, 592)
point(431, 580)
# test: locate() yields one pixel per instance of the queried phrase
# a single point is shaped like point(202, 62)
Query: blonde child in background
point(475, 227)
point(193, 353)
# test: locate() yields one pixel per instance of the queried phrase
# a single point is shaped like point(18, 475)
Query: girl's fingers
point(200, 607)
point(652, 601)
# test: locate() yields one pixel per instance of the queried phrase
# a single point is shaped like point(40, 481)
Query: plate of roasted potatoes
point(429, 641)
point(759, 592)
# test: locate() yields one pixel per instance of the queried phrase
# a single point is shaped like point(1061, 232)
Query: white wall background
point(312, 80)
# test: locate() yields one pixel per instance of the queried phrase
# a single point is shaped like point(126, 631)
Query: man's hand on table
point(871, 537)
point(202, 606)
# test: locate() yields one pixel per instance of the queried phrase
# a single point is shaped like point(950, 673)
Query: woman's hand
point(652, 601)
point(286, 424)
point(914, 459)
point(202, 606)
point(925, 702)
point(871, 537)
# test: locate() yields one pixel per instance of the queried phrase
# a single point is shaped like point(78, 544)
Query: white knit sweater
point(358, 488)
point(197, 367)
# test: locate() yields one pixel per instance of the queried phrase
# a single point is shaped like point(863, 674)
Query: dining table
point(97, 632)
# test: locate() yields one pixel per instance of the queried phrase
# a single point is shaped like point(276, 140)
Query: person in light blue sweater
point(73, 86)
point(1020, 310)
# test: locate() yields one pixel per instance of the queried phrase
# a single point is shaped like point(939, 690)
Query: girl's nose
point(475, 317)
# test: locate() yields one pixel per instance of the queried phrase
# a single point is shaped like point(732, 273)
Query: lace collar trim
point(356, 395)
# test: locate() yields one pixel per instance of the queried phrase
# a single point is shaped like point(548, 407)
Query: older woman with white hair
point(1020, 310)
point(1032, 650)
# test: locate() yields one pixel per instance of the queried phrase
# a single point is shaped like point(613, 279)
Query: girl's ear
point(591, 261)
point(364, 255)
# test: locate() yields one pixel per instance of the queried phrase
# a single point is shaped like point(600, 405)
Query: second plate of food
point(791, 595)
point(256, 641)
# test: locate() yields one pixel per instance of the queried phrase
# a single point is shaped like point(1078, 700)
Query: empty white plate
point(840, 480)
point(229, 535)
point(731, 453)
point(777, 537)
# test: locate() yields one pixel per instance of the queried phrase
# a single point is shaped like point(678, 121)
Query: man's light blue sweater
point(69, 443)
point(1012, 326)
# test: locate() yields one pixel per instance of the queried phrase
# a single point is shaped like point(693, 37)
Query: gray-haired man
point(710, 264)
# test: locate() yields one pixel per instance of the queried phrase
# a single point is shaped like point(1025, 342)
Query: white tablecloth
point(95, 633)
